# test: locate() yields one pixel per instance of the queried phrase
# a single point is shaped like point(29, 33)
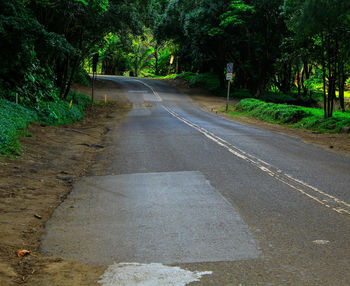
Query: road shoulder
point(34, 184)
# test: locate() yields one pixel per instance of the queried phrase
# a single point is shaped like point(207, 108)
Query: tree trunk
point(324, 77)
point(74, 66)
point(305, 77)
point(298, 81)
point(156, 57)
point(341, 85)
point(64, 77)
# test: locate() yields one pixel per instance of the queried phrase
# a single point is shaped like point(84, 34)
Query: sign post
point(229, 70)
point(94, 70)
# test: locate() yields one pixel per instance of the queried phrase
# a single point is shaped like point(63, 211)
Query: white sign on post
point(229, 68)
point(229, 71)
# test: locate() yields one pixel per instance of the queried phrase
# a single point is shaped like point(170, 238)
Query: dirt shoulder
point(208, 102)
point(34, 184)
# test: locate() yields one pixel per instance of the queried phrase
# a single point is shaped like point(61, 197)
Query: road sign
point(229, 68)
point(94, 62)
point(229, 71)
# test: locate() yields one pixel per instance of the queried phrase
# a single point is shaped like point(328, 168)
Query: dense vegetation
point(283, 50)
point(300, 117)
point(43, 47)
point(297, 48)
point(287, 45)
point(14, 118)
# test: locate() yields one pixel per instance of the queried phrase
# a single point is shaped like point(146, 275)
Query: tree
point(326, 23)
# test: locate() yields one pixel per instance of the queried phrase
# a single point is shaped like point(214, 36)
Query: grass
point(13, 122)
point(295, 116)
point(15, 118)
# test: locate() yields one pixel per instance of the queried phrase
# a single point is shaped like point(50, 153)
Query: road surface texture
point(187, 188)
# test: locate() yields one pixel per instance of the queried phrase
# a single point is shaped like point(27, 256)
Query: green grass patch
point(296, 116)
point(13, 122)
point(15, 118)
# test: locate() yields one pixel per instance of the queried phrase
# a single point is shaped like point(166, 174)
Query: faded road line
point(314, 193)
point(151, 88)
point(311, 192)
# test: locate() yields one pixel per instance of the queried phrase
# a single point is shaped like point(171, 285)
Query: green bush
point(59, 112)
point(271, 111)
point(208, 80)
point(82, 77)
point(13, 121)
point(188, 76)
point(14, 118)
point(79, 99)
point(302, 117)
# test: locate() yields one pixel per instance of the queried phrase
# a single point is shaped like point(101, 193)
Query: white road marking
point(321, 242)
point(311, 192)
point(151, 88)
point(154, 274)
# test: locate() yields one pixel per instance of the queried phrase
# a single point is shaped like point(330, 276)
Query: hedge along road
point(185, 187)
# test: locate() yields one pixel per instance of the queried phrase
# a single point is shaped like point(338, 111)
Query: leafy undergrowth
point(296, 116)
point(14, 118)
point(211, 82)
point(13, 121)
point(208, 80)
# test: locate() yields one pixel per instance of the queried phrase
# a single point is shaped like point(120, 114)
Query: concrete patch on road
point(174, 217)
point(140, 112)
point(154, 274)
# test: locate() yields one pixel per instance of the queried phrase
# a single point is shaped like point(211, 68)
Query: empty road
point(184, 187)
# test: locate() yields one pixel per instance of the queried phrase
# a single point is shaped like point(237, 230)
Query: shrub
point(304, 117)
point(59, 112)
point(271, 111)
point(13, 120)
point(81, 76)
point(208, 80)
point(188, 76)
point(79, 99)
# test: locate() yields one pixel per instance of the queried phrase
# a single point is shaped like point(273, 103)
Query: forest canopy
point(296, 47)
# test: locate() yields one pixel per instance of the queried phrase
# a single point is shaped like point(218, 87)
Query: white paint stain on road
point(321, 241)
point(154, 274)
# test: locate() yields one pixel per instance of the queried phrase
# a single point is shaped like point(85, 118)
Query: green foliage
point(331, 124)
point(208, 81)
point(13, 121)
point(21, 70)
point(82, 101)
point(300, 117)
point(187, 76)
point(277, 112)
point(237, 14)
point(82, 77)
point(14, 118)
point(58, 113)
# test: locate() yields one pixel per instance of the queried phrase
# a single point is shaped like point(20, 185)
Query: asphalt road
point(186, 187)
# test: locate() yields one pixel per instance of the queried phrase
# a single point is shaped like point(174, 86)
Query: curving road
point(186, 187)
